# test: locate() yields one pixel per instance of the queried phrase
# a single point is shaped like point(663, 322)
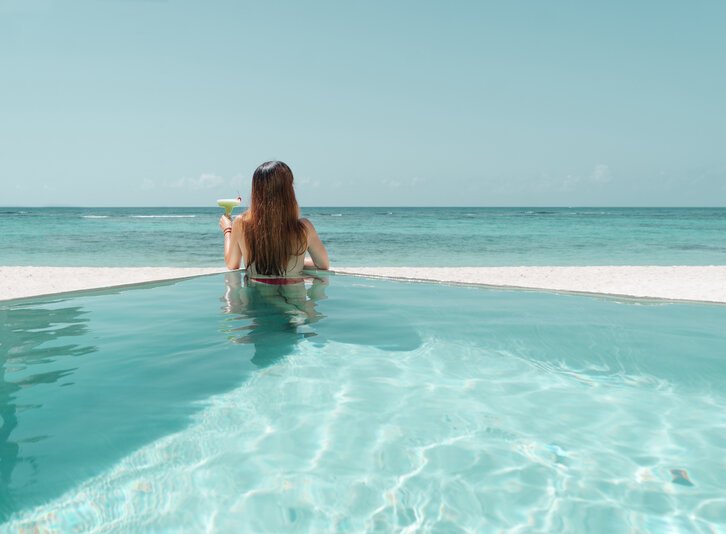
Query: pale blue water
point(377, 236)
point(204, 405)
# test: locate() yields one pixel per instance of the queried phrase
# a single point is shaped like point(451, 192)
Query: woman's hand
point(225, 222)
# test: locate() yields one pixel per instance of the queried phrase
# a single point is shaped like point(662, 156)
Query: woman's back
point(296, 262)
point(294, 266)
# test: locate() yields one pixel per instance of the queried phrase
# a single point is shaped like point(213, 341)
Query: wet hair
point(272, 228)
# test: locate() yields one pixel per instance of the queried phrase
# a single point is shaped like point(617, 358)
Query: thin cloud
point(203, 182)
point(600, 174)
point(570, 182)
point(392, 184)
point(396, 184)
point(148, 184)
point(206, 181)
point(308, 182)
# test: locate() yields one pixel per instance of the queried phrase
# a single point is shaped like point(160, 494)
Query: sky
point(405, 103)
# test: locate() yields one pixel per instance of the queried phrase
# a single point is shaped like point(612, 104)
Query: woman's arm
point(232, 234)
point(316, 248)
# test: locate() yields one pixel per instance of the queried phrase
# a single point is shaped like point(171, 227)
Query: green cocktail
point(229, 204)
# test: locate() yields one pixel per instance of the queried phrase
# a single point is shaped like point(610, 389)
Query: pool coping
point(176, 275)
point(600, 294)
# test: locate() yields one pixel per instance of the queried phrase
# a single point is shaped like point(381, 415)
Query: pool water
point(349, 404)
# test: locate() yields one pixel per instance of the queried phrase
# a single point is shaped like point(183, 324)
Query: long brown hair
point(272, 228)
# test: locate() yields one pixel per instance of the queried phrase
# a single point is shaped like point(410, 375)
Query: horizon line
point(513, 206)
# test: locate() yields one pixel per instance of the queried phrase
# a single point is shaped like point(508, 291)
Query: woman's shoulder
point(240, 219)
point(308, 226)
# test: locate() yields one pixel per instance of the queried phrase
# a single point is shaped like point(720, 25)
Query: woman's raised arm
point(232, 235)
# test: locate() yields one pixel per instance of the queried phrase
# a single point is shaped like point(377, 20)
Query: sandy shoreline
point(695, 283)
point(692, 283)
point(19, 282)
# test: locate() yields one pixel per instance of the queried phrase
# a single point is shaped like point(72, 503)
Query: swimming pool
point(352, 404)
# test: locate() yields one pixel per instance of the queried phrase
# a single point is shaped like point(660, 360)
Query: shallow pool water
point(349, 404)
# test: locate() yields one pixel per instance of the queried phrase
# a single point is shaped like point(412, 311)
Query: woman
point(270, 236)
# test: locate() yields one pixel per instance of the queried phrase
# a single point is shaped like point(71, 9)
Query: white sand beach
point(693, 283)
point(19, 282)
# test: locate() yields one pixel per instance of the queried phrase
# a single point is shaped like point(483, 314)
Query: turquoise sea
point(376, 236)
point(347, 404)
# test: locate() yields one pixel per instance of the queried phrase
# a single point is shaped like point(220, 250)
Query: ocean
point(437, 237)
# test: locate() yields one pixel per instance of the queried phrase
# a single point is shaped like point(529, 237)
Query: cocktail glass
point(229, 204)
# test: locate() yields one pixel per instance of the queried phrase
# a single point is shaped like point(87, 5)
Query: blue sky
point(140, 102)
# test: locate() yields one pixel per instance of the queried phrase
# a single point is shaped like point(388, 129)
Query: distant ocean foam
point(382, 236)
point(162, 216)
